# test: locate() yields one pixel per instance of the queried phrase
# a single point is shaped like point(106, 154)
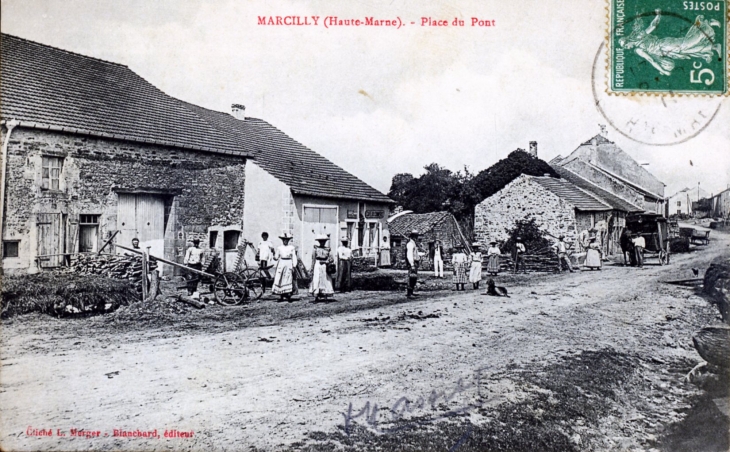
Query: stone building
point(558, 207)
point(720, 204)
point(432, 226)
point(90, 149)
point(603, 163)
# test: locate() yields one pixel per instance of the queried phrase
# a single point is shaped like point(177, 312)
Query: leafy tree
point(440, 189)
point(532, 237)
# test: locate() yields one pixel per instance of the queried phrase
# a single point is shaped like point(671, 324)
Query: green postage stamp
point(668, 46)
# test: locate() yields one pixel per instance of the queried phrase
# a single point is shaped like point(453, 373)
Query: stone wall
point(606, 182)
point(203, 189)
point(522, 199)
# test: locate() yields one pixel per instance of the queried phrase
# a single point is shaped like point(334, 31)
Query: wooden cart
point(655, 230)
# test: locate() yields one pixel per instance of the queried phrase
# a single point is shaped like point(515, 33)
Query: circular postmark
point(657, 120)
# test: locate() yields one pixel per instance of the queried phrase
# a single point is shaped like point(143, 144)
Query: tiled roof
point(600, 139)
point(580, 199)
point(404, 224)
point(604, 195)
point(303, 170)
point(46, 87)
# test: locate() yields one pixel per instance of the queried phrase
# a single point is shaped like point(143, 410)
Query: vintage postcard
point(364, 226)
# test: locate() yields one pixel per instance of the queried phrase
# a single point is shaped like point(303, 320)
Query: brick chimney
point(533, 148)
point(238, 111)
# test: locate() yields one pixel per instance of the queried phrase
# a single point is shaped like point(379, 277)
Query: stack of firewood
point(541, 262)
point(112, 266)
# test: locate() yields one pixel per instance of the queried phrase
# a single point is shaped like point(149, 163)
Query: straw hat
point(321, 238)
point(415, 233)
point(285, 236)
point(476, 245)
point(493, 242)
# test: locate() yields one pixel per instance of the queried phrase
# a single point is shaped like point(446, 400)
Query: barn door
point(49, 239)
point(126, 219)
point(151, 223)
point(142, 216)
point(316, 221)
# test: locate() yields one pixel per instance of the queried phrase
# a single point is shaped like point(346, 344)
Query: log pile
point(118, 266)
point(541, 262)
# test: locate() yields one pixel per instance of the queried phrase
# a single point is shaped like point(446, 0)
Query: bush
point(63, 294)
point(531, 235)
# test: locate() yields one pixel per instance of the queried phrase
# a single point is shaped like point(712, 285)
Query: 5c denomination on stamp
point(660, 46)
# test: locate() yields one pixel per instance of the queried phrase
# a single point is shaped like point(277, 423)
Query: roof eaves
point(77, 131)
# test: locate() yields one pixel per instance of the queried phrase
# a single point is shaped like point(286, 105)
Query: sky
point(380, 101)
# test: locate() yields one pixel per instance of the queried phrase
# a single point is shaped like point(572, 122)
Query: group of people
point(633, 244)
point(328, 271)
point(467, 267)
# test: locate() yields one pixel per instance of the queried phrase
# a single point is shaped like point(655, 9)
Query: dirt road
point(585, 361)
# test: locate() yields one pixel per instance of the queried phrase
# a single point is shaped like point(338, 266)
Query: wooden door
point(126, 220)
point(316, 221)
point(88, 238)
point(150, 216)
point(142, 216)
point(49, 239)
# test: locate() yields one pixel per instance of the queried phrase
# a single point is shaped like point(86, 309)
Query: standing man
point(344, 266)
point(193, 259)
point(563, 255)
point(438, 262)
point(639, 245)
point(265, 253)
point(413, 260)
point(518, 254)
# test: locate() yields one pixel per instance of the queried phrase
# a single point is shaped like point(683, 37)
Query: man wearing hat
point(344, 266)
point(194, 260)
point(413, 259)
point(518, 254)
point(562, 250)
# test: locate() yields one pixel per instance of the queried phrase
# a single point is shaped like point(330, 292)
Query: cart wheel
point(229, 289)
point(663, 257)
point(254, 283)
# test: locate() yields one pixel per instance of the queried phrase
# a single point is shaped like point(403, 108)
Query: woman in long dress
point(493, 254)
point(459, 261)
point(286, 260)
point(321, 286)
point(385, 253)
point(593, 254)
point(475, 270)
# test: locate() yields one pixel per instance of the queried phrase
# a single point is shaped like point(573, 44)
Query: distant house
point(680, 203)
point(558, 207)
point(606, 165)
point(431, 227)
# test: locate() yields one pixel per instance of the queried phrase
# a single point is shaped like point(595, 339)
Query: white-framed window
point(51, 172)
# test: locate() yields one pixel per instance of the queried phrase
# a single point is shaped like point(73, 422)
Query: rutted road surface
point(585, 361)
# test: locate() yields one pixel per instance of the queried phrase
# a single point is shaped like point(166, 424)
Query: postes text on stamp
point(668, 46)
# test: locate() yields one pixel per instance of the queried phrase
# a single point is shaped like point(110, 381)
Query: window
point(10, 248)
point(212, 239)
point(679, 203)
point(88, 219)
point(230, 239)
point(51, 173)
